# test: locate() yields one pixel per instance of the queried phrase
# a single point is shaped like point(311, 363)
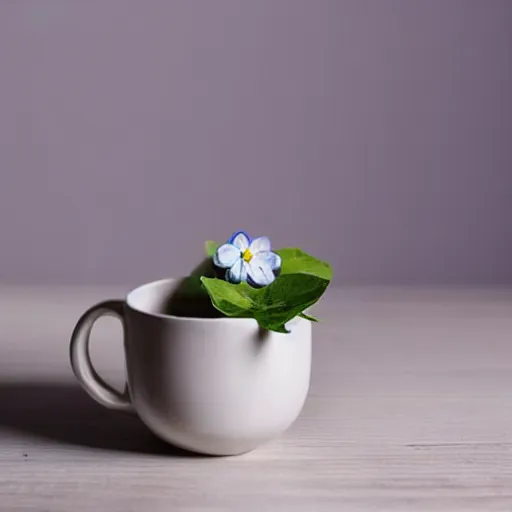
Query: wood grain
point(410, 409)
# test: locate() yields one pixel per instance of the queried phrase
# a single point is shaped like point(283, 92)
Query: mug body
point(219, 386)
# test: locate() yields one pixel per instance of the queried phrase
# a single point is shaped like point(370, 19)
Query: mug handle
point(81, 362)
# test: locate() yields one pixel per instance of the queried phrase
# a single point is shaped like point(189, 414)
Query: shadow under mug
point(218, 386)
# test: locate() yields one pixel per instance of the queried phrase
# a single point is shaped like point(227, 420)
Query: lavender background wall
point(376, 134)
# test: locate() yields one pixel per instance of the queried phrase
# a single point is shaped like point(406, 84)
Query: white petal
point(262, 243)
point(260, 271)
point(241, 240)
point(238, 272)
point(226, 255)
point(273, 259)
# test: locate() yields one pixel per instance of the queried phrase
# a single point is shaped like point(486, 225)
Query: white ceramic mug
point(219, 386)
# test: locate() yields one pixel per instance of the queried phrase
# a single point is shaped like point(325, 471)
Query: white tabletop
point(410, 409)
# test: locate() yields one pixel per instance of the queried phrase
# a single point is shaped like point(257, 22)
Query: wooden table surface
point(410, 409)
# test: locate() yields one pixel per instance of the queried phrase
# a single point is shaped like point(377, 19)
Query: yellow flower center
point(247, 255)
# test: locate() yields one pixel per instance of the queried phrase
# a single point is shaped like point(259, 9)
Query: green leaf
point(301, 283)
point(210, 247)
point(308, 317)
point(296, 261)
point(288, 296)
point(272, 306)
point(230, 299)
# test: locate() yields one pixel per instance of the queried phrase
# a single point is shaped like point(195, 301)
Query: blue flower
point(248, 260)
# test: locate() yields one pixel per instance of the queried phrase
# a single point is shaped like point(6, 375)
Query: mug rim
point(129, 301)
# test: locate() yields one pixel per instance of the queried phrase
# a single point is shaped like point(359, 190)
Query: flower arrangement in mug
point(253, 281)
